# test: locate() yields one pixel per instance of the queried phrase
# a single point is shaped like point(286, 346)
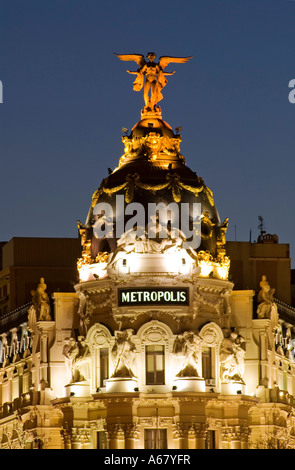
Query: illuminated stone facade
point(155, 348)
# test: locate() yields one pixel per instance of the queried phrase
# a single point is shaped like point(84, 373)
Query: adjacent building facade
point(24, 260)
point(250, 261)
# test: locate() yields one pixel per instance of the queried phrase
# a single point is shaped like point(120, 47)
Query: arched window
point(212, 336)
point(154, 365)
point(208, 364)
point(99, 341)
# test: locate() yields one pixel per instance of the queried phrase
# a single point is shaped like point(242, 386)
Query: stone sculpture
point(265, 299)
point(232, 357)
point(151, 76)
point(123, 354)
point(41, 302)
point(77, 358)
point(186, 345)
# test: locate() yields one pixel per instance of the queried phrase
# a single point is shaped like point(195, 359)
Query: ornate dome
point(151, 171)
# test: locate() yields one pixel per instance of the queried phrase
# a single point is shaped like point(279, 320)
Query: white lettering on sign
point(125, 296)
point(151, 296)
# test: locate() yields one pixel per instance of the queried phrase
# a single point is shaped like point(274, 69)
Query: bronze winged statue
point(151, 75)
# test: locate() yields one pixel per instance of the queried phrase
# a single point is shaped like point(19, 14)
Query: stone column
point(116, 436)
point(244, 431)
point(46, 332)
point(200, 437)
point(235, 437)
point(263, 378)
point(43, 348)
point(226, 437)
point(181, 434)
point(44, 359)
point(66, 435)
point(81, 438)
point(191, 438)
point(131, 434)
point(235, 444)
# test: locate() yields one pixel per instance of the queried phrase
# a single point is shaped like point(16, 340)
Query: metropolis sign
point(153, 296)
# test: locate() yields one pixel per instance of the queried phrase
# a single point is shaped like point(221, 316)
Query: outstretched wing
point(138, 58)
point(165, 60)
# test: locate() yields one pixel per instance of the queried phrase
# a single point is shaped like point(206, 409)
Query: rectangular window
point(101, 440)
point(103, 365)
point(208, 371)
point(155, 439)
point(155, 365)
point(212, 439)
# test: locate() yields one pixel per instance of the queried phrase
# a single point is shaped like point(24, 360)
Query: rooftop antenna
point(261, 225)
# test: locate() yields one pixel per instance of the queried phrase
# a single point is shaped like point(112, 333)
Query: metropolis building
point(154, 348)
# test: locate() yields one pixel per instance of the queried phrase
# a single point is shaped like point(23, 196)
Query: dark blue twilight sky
point(66, 98)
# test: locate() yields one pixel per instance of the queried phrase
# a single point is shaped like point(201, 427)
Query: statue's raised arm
point(151, 75)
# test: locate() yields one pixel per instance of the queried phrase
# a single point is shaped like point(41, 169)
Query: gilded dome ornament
point(151, 76)
point(207, 225)
point(151, 146)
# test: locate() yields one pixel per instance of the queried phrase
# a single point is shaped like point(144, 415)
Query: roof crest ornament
point(151, 77)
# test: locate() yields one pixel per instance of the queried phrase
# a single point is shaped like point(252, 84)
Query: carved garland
point(133, 182)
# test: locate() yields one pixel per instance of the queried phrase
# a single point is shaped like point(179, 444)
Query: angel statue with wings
point(151, 75)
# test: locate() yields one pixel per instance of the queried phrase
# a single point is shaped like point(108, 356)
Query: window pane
point(104, 365)
point(101, 440)
point(150, 363)
point(211, 442)
point(155, 364)
point(160, 378)
point(159, 363)
point(207, 363)
point(162, 438)
point(155, 438)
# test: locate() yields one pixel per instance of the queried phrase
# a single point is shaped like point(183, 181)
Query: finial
point(151, 76)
